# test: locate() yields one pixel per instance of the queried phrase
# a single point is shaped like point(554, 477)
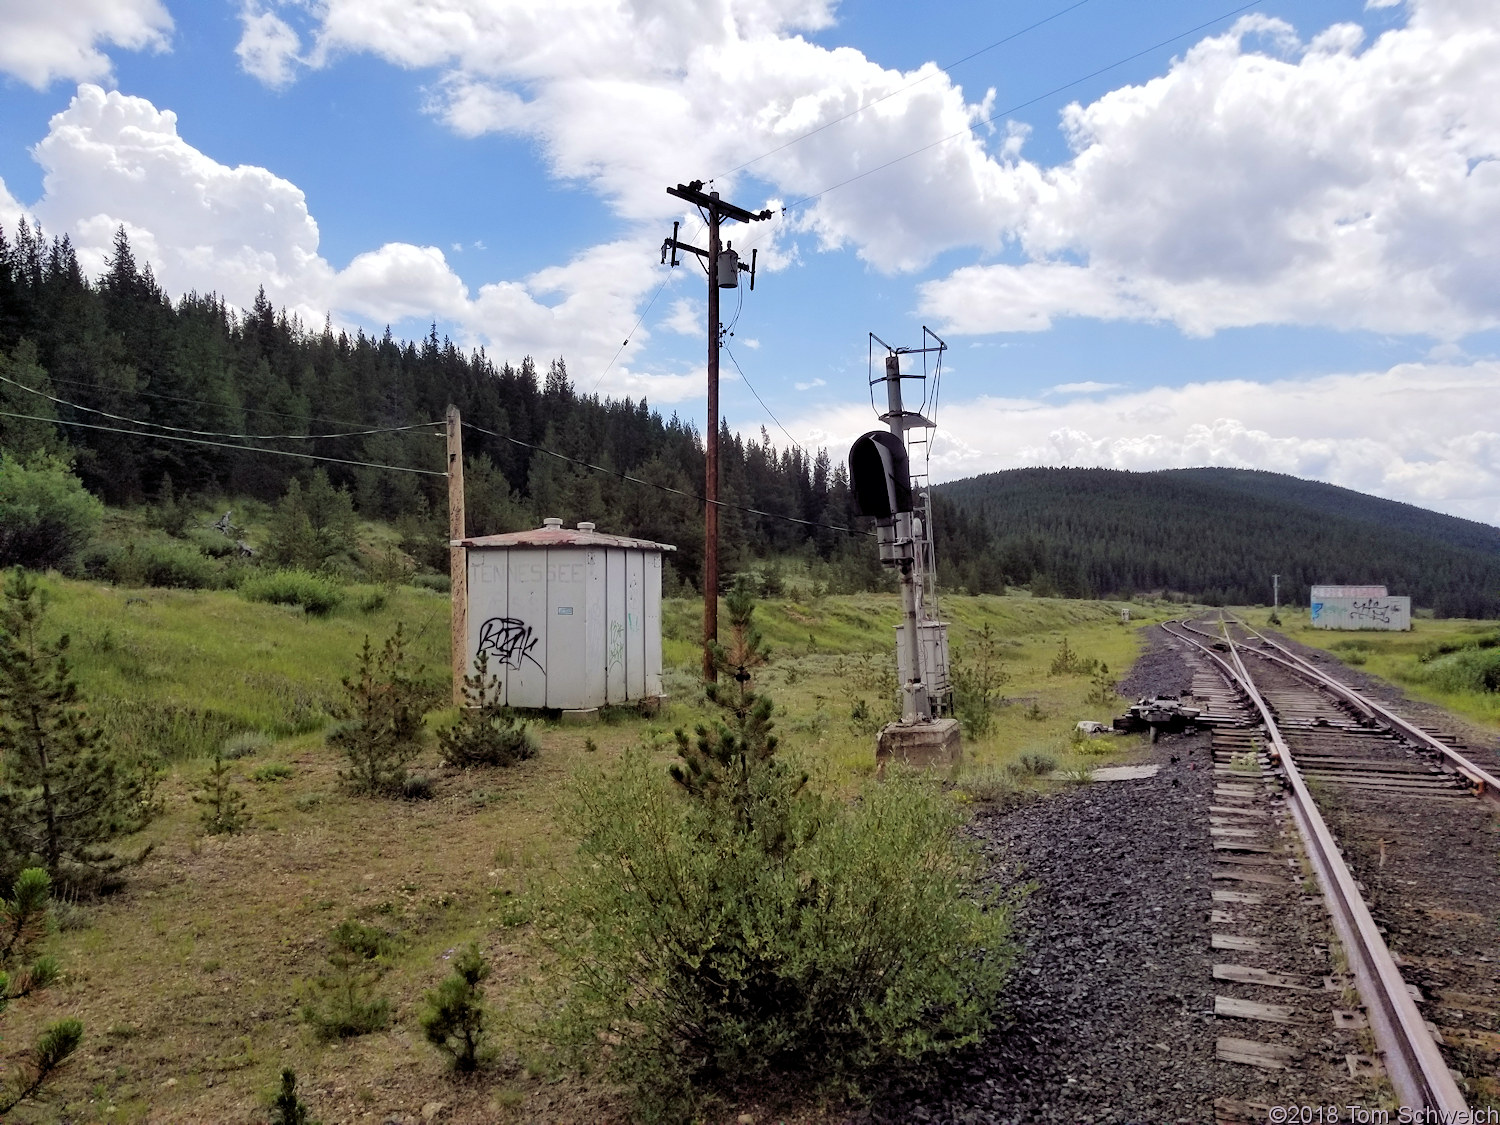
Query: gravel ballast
point(1109, 1017)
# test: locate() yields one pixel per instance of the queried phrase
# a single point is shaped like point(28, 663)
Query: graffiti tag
point(509, 640)
point(1371, 609)
point(616, 644)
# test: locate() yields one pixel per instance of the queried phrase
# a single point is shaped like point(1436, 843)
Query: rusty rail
point(1416, 1068)
point(1485, 784)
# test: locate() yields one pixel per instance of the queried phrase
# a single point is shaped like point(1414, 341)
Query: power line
point(1022, 105)
point(662, 487)
point(638, 320)
point(222, 444)
point(760, 400)
point(211, 433)
point(902, 89)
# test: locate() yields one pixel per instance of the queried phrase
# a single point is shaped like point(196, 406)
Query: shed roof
point(560, 537)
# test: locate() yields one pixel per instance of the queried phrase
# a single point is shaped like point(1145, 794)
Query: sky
point(1152, 234)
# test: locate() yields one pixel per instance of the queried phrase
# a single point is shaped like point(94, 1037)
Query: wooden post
point(458, 557)
point(711, 456)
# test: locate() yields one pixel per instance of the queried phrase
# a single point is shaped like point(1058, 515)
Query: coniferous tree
point(63, 794)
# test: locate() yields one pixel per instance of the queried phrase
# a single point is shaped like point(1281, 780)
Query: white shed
point(571, 620)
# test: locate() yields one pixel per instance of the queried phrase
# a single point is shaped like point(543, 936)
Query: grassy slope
point(191, 980)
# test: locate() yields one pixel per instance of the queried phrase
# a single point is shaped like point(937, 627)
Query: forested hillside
point(152, 372)
point(147, 399)
point(1216, 534)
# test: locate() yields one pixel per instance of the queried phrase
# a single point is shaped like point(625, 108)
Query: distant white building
point(1358, 607)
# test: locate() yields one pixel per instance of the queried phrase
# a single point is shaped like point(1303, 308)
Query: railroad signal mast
point(880, 471)
point(723, 266)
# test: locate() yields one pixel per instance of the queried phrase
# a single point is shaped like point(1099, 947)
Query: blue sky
point(1271, 244)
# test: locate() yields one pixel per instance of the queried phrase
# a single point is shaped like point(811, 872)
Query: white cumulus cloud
point(1263, 180)
point(1272, 175)
point(44, 40)
point(110, 160)
point(1426, 434)
point(269, 48)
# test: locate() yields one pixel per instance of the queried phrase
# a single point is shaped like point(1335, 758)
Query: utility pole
point(1275, 593)
point(458, 557)
point(723, 266)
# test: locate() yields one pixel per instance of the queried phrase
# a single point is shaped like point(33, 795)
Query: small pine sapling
point(287, 1108)
point(223, 809)
point(732, 762)
point(487, 733)
point(454, 1017)
point(1102, 687)
point(24, 921)
point(384, 719)
point(350, 1006)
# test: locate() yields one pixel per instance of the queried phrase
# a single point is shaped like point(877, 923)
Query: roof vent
point(552, 521)
point(585, 527)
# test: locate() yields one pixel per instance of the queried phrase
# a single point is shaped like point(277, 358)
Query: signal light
point(880, 475)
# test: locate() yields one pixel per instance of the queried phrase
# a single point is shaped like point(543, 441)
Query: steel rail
point(1485, 784)
point(1415, 1066)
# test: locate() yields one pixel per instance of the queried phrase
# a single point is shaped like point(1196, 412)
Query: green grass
point(204, 959)
point(180, 671)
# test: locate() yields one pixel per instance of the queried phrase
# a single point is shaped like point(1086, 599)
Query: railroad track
point(1410, 808)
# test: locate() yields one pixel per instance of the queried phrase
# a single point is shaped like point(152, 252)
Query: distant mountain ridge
point(1336, 501)
point(1214, 534)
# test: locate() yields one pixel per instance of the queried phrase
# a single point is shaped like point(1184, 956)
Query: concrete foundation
point(925, 745)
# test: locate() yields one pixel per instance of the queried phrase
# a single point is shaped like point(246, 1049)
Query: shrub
point(437, 583)
point(454, 1017)
point(417, 787)
point(46, 517)
point(384, 719)
point(1035, 763)
point(735, 925)
point(245, 744)
point(152, 561)
point(988, 785)
point(272, 771)
point(487, 732)
point(314, 593)
point(1467, 670)
point(349, 1006)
